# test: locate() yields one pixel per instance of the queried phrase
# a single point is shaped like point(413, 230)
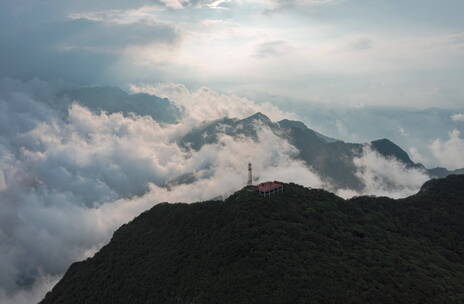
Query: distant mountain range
point(332, 159)
point(115, 100)
point(298, 246)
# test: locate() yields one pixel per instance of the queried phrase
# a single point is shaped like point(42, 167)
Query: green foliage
point(299, 246)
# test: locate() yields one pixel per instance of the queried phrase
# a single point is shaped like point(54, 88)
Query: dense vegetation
point(299, 246)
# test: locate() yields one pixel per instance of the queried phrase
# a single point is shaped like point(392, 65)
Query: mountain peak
point(292, 123)
point(258, 116)
point(389, 149)
point(384, 141)
point(295, 124)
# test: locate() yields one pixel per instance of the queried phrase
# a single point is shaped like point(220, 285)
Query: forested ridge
point(300, 246)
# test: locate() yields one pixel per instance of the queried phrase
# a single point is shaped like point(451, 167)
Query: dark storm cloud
point(51, 45)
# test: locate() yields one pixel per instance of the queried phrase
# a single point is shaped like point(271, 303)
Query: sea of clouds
point(67, 182)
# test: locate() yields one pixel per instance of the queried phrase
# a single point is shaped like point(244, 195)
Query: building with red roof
point(268, 188)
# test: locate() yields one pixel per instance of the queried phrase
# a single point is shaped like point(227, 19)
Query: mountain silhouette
point(332, 159)
point(114, 100)
point(298, 246)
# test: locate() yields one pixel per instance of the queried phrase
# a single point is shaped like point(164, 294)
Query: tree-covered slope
point(299, 246)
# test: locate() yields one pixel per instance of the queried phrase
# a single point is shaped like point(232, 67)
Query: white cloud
point(449, 153)
point(176, 4)
point(416, 156)
point(146, 14)
point(205, 104)
point(457, 117)
point(220, 4)
point(179, 4)
point(385, 177)
point(68, 184)
point(124, 41)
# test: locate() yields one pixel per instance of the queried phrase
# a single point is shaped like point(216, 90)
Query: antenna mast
point(250, 175)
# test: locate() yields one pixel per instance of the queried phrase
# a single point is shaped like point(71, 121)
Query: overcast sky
point(355, 52)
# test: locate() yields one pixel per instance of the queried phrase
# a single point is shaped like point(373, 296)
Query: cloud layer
point(449, 153)
point(330, 51)
point(51, 41)
point(66, 183)
point(385, 177)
